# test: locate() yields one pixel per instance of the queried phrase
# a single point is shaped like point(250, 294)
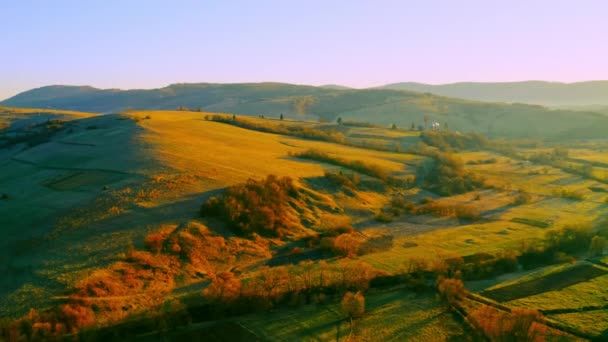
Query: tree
point(598, 245)
point(413, 126)
point(451, 290)
point(339, 120)
point(354, 305)
point(426, 121)
point(346, 245)
point(518, 325)
point(281, 117)
point(445, 126)
point(225, 287)
point(233, 117)
point(393, 126)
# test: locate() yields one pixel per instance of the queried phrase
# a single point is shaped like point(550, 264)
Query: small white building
point(435, 126)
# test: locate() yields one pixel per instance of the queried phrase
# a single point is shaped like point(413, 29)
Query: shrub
point(446, 176)
point(256, 206)
point(401, 204)
point(347, 180)
point(522, 198)
point(569, 194)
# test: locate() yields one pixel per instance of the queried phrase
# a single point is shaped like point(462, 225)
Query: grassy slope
point(173, 160)
point(49, 247)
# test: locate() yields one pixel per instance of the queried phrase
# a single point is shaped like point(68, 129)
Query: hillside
point(381, 106)
point(135, 223)
point(552, 94)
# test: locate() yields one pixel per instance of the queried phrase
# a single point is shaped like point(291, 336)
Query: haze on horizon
point(137, 44)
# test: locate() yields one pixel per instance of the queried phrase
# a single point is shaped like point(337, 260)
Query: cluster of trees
point(556, 246)
point(294, 130)
point(518, 325)
point(446, 140)
point(569, 194)
point(461, 211)
point(352, 123)
point(446, 176)
point(482, 161)
point(293, 285)
point(400, 205)
point(257, 206)
point(349, 180)
point(362, 167)
point(489, 322)
point(522, 197)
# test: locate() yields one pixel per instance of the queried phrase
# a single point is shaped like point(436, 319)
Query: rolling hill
point(381, 106)
point(553, 94)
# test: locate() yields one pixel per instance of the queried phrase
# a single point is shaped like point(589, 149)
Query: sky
point(150, 44)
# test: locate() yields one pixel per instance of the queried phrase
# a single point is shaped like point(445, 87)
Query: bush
point(446, 176)
point(256, 206)
point(400, 204)
point(522, 198)
point(569, 194)
point(346, 180)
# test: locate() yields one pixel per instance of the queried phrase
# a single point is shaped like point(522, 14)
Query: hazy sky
point(147, 44)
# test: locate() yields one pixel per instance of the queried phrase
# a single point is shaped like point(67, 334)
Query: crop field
point(393, 315)
point(555, 281)
point(594, 322)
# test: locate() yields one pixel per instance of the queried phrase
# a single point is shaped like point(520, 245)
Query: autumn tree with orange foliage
point(354, 306)
point(225, 287)
point(346, 245)
point(518, 325)
point(451, 290)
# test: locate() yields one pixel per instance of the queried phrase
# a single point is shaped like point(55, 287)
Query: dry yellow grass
point(228, 155)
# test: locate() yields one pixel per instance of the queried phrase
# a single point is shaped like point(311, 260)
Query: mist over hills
point(380, 106)
point(534, 92)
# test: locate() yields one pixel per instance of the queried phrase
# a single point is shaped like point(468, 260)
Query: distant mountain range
point(533, 92)
point(378, 105)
